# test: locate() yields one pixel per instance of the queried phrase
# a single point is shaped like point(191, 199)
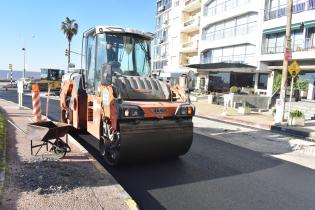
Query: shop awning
point(296, 26)
point(309, 24)
point(225, 67)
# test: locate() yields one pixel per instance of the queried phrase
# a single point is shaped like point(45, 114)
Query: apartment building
point(207, 32)
point(233, 42)
point(229, 45)
point(176, 35)
point(302, 39)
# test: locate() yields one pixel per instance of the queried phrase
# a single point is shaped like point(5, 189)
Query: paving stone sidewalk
point(44, 182)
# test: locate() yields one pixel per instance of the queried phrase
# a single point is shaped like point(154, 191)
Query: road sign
point(294, 69)
point(288, 54)
point(20, 85)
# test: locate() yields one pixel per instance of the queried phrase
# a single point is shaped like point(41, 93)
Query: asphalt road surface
point(212, 175)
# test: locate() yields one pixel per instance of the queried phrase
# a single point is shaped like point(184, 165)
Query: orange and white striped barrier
point(36, 103)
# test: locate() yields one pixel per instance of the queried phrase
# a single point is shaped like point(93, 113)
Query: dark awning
point(225, 67)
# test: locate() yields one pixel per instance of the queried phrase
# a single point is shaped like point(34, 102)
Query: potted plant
point(234, 89)
point(296, 117)
point(302, 86)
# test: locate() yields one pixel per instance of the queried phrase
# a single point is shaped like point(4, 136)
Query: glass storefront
point(222, 81)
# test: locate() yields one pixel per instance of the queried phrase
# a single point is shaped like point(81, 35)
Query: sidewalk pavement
point(77, 181)
point(261, 120)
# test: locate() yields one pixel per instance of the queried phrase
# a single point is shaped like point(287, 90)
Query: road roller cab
point(117, 99)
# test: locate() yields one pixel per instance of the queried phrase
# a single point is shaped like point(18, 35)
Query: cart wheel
point(60, 148)
point(60, 151)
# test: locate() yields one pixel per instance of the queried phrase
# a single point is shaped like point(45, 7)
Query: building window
point(262, 81)
point(219, 6)
point(234, 54)
point(278, 8)
point(274, 43)
point(231, 28)
point(310, 38)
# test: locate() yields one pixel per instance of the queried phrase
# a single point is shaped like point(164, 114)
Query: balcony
point(161, 8)
point(281, 10)
point(191, 5)
point(189, 47)
point(191, 25)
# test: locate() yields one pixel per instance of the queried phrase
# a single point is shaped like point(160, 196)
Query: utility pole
point(286, 59)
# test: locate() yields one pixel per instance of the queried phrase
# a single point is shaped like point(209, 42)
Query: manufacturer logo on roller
point(159, 110)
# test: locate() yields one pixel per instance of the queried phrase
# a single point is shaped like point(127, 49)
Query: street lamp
point(24, 61)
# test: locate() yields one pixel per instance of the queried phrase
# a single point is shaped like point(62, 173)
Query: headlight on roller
point(132, 112)
point(185, 110)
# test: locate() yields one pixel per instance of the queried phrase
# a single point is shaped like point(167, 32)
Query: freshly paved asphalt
point(212, 175)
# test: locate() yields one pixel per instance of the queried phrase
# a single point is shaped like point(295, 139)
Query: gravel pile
point(47, 176)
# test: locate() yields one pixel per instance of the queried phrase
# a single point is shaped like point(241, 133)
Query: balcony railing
point(192, 21)
point(188, 44)
point(189, 2)
point(298, 46)
point(281, 10)
point(191, 46)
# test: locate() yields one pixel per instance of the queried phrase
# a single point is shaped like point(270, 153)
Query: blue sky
point(35, 25)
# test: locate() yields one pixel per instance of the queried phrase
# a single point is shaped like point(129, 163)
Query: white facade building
point(247, 36)
point(302, 39)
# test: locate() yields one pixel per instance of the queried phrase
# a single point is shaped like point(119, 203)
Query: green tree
point(69, 28)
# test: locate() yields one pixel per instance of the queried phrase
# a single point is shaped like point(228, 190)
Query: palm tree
point(69, 28)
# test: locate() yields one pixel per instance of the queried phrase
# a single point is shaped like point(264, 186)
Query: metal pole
point(285, 60)
point(24, 61)
point(292, 80)
point(47, 102)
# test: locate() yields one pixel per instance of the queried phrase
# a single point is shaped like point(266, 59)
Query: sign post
point(20, 92)
point(294, 69)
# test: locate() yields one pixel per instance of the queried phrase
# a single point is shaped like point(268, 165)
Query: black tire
point(102, 146)
point(112, 151)
point(63, 116)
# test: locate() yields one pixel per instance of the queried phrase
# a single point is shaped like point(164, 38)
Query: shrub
point(296, 114)
point(301, 84)
point(234, 89)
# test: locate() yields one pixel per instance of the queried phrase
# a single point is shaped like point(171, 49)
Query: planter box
point(303, 94)
point(243, 110)
point(296, 121)
point(210, 99)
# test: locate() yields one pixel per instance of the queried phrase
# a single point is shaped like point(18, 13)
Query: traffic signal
point(10, 66)
point(67, 52)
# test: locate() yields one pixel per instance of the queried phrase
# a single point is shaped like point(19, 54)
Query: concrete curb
point(293, 132)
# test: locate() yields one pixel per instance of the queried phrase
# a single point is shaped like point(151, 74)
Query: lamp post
point(24, 61)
